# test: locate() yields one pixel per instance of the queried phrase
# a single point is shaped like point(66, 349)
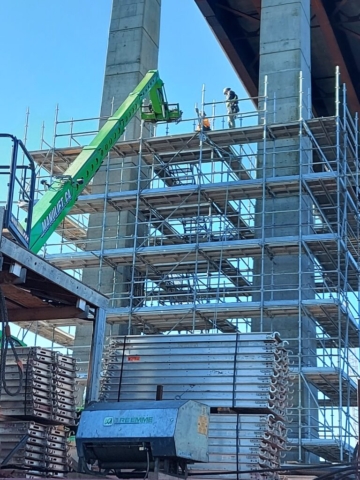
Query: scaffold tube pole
point(97, 347)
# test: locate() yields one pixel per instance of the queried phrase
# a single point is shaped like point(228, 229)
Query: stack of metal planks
point(243, 443)
point(244, 377)
point(243, 371)
point(48, 389)
point(35, 447)
point(36, 421)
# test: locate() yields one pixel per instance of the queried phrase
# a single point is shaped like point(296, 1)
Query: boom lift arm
point(58, 200)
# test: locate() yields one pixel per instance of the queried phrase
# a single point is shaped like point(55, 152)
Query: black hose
point(340, 473)
point(337, 469)
point(7, 341)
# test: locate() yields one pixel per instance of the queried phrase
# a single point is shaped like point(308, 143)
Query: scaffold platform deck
point(330, 381)
point(188, 144)
point(328, 449)
point(328, 313)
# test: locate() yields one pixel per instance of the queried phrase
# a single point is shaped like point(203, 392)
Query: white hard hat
point(226, 89)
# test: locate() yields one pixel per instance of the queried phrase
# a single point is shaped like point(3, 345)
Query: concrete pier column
point(284, 59)
point(133, 49)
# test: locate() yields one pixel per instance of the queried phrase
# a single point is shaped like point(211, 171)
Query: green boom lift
point(17, 342)
point(58, 200)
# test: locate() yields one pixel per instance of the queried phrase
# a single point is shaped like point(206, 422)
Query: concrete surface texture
point(133, 49)
point(284, 59)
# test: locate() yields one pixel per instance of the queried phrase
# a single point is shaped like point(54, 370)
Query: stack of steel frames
point(245, 375)
point(48, 390)
point(41, 449)
point(243, 443)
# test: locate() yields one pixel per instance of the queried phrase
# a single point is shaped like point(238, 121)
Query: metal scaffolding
point(194, 230)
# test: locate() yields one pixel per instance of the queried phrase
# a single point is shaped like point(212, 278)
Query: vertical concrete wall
point(284, 53)
point(133, 49)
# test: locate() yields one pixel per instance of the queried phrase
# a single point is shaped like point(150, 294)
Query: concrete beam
point(46, 313)
point(230, 51)
point(335, 52)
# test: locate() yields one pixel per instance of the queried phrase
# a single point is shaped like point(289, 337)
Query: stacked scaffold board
point(41, 450)
point(38, 413)
point(243, 377)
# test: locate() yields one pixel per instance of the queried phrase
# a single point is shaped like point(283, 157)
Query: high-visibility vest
point(206, 123)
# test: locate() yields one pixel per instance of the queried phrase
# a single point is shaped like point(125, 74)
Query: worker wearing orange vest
point(204, 123)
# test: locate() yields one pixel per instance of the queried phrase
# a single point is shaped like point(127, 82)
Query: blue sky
point(53, 52)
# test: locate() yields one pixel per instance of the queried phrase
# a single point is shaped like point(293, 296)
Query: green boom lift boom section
point(58, 200)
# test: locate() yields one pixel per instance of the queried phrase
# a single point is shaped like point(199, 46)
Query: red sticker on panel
point(134, 358)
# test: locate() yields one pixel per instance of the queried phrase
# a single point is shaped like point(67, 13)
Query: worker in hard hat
point(232, 106)
point(204, 122)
